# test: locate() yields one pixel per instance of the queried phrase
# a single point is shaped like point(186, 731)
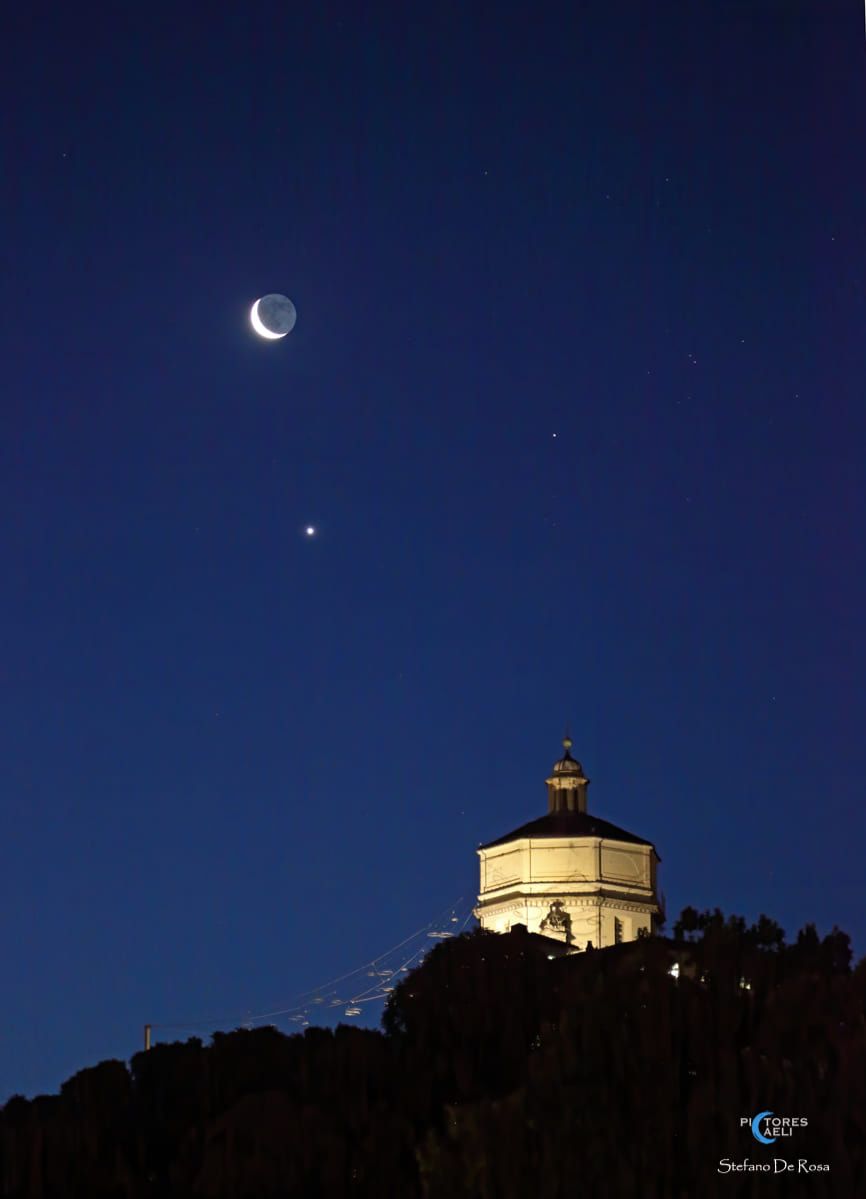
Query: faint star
point(310, 530)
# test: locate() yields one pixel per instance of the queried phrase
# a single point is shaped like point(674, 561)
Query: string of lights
point(382, 969)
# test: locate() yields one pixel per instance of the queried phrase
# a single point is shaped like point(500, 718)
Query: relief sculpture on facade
point(557, 920)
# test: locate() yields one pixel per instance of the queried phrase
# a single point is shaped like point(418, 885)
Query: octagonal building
point(570, 875)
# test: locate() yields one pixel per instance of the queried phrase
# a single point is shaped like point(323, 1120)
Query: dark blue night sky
point(575, 401)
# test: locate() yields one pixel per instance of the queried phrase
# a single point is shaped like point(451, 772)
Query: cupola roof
point(567, 764)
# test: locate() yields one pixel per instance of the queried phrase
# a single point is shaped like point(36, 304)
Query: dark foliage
point(502, 1073)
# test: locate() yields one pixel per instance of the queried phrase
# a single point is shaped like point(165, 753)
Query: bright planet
point(273, 316)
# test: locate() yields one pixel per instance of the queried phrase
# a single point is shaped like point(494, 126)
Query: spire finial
point(566, 742)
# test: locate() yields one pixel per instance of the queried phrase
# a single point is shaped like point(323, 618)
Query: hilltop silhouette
point(501, 1072)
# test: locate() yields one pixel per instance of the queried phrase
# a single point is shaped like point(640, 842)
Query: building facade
point(570, 875)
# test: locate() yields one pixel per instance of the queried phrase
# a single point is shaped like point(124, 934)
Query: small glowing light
point(310, 530)
point(674, 971)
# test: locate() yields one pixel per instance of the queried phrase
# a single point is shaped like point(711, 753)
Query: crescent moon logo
point(260, 328)
point(759, 1136)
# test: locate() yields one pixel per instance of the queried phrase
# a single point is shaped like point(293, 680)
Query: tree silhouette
point(501, 1073)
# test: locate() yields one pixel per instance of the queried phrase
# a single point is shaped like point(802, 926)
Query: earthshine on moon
point(273, 316)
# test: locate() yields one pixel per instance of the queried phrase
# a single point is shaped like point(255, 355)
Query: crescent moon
point(261, 329)
point(759, 1136)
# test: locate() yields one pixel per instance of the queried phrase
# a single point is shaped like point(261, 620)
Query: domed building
point(570, 875)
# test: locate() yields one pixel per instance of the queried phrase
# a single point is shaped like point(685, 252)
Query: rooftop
point(569, 824)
